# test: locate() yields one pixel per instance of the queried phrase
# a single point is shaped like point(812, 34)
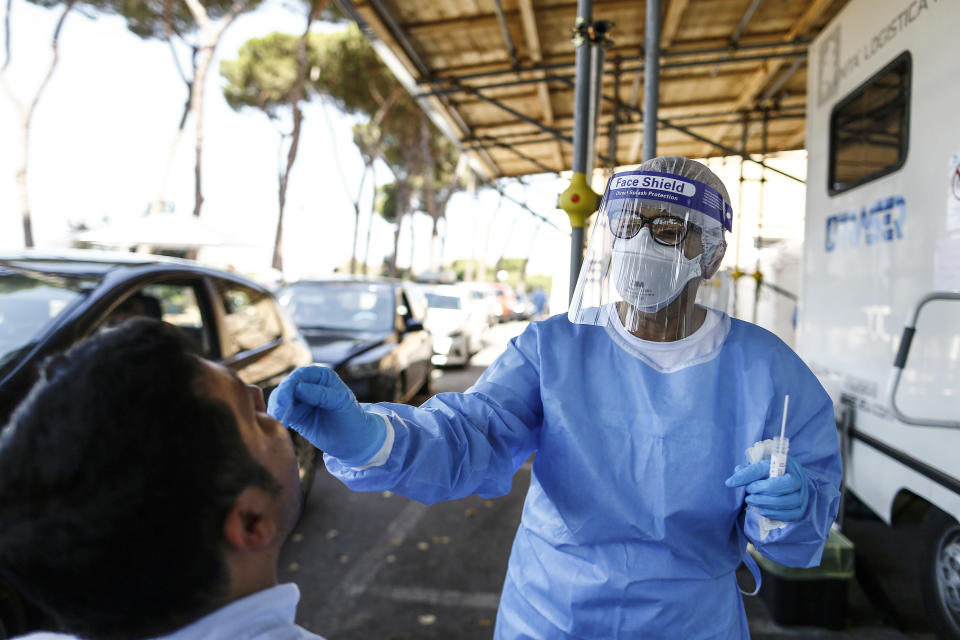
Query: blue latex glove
point(314, 402)
point(784, 498)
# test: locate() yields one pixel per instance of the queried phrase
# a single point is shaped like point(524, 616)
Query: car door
point(416, 341)
point(251, 335)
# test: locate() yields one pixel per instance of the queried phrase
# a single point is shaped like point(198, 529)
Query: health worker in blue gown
point(640, 406)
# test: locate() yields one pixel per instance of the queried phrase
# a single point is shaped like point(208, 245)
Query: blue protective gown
point(628, 530)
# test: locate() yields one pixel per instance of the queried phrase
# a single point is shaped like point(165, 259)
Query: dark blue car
point(369, 330)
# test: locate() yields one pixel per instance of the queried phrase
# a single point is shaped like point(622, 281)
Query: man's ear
point(250, 524)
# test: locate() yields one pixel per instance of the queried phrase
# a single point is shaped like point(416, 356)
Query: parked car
point(369, 330)
point(485, 301)
point(456, 325)
point(50, 301)
point(508, 301)
point(524, 307)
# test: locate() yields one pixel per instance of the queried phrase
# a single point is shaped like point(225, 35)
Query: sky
point(103, 128)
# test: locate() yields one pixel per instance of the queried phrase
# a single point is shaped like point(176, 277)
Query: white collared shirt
point(265, 615)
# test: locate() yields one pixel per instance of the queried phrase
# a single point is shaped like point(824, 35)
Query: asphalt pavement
point(380, 566)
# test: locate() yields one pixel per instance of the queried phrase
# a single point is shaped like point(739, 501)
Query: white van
point(879, 310)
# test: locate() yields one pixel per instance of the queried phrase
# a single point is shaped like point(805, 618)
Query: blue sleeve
point(459, 444)
point(814, 443)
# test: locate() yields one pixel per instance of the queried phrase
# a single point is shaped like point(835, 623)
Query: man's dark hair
point(116, 474)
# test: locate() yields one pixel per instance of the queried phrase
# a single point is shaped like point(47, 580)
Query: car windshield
point(440, 301)
point(28, 303)
point(349, 306)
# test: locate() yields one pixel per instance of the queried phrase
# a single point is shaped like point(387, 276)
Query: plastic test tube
point(778, 459)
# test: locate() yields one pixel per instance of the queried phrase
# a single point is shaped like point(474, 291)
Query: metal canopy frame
point(767, 62)
point(753, 53)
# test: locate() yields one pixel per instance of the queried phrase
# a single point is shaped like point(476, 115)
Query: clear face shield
point(655, 236)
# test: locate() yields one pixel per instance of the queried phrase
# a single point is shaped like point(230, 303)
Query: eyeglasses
point(666, 230)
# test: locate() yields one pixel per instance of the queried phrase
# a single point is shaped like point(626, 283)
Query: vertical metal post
point(615, 121)
point(576, 257)
point(579, 200)
point(651, 80)
point(581, 91)
point(736, 247)
point(596, 90)
point(757, 274)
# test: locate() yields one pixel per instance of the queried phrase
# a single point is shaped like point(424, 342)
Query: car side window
point(250, 318)
point(176, 303)
point(416, 301)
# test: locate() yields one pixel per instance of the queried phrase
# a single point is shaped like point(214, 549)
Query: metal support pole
point(579, 200)
point(651, 80)
point(576, 257)
point(757, 274)
point(581, 92)
point(736, 247)
point(511, 49)
point(596, 90)
point(614, 121)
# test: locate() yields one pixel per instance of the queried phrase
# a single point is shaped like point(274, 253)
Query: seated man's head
point(142, 487)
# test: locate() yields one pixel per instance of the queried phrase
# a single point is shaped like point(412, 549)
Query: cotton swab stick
point(778, 459)
point(783, 425)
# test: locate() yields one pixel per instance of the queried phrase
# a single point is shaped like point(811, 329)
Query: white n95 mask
point(649, 275)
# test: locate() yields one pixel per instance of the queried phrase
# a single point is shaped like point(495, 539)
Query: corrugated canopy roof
point(500, 74)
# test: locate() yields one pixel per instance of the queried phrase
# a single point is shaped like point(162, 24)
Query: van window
point(868, 128)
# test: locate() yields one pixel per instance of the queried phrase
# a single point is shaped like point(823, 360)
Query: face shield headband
point(668, 189)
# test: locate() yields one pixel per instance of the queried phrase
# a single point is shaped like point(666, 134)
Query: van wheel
point(940, 573)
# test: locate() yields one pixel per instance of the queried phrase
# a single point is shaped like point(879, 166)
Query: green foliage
point(148, 18)
point(352, 75)
point(386, 203)
point(264, 74)
point(332, 13)
point(514, 268)
point(445, 156)
point(459, 267)
point(544, 281)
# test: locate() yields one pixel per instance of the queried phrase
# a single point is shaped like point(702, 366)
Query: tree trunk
point(373, 204)
point(442, 215)
point(356, 221)
point(413, 243)
point(26, 117)
point(295, 97)
point(200, 69)
point(213, 33)
point(6, 38)
point(157, 204)
point(396, 248)
point(482, 277)
point(429, 186)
